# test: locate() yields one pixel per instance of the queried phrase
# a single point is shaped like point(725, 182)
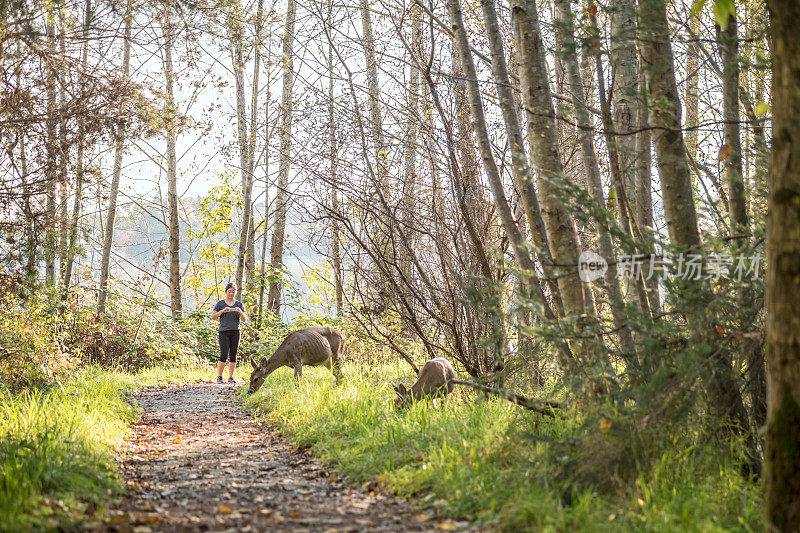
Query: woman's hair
point(229, 285)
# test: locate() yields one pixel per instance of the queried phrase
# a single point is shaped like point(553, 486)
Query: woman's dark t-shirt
point(230, 320)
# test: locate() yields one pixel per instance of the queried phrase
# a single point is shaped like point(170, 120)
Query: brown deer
point(434, 381)
point(310, 346)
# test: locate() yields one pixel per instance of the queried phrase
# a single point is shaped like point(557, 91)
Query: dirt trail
point(197, 462)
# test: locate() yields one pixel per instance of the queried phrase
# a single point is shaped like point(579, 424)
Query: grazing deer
point(310, 346)
point(434, 380)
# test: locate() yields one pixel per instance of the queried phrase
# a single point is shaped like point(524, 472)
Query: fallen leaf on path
point(446, 526)
point(294, 514)
point(223, 509)
point(423, 517)
point(177, 440)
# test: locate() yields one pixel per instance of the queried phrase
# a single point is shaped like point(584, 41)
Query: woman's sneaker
point(231, 381)
point(219, 379)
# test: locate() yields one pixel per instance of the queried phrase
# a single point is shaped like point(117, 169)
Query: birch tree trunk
point(679, 207)
point(284, 161)
point(484, 143)
point(79, 165)
point(172, 171)
point(728, 41)
point(693, 67)
point(625, 81)
point(63, 155)
point(236, 36)
point(782, 488)
point(565, 35)
point(52, 150)
point(644, 185)
point(336, 256)
point(520, 169)
point(665, 119)
point(111, 212)
point(538, 102)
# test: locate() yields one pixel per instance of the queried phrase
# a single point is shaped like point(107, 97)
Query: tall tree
point(537, 98)
point(336, 256)
point(728, 41)
point(782, 488)
point(625, 95)
point(665, 119)
point(80, 163)
point(119, 147)
point(692, 97)
point(565, 34)
point(51, 148)
point(168, 32)
point(284, 159)
point(375, 115)
point(510, 224)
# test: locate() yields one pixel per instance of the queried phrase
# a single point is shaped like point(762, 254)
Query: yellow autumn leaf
point(446, 526)
point(177, 440)
point(224, 509)
point(762, 108)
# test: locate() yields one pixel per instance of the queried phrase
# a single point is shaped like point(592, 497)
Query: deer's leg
point(298, 370)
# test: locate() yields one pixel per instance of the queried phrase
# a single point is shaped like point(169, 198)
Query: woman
point(230, 312)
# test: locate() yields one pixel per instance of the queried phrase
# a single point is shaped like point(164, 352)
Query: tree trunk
point(693, 66)
point(625, 95)
point(52, 150)
point(546, 159)
point(336, 257)
point(284, 161)
point(782, 488)
point(665, 119)
point(376, 120)
point(111, 213)
point(520, 169)
point(728, 40)
point(565, 35)
point(484, 143)
point(79, 165)
point(679, 207)
point(644, 188)
point(236, 36)
point(63, 156)
point(172, 171)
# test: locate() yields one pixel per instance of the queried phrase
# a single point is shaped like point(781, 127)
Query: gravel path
point(197, 462)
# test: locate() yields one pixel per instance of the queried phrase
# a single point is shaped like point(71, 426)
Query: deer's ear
point(253, 363)
point(400, 390)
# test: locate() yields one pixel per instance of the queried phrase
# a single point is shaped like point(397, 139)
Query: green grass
point(490, 461)
point(57, 446)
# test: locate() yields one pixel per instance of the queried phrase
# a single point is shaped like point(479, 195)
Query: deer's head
point(403, 397)
point(258, 375)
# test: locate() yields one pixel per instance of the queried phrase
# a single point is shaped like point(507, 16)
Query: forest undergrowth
point(593, 467)
point(507, 468)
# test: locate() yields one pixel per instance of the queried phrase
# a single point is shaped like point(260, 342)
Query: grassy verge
point(57, 445)
point(493, 462)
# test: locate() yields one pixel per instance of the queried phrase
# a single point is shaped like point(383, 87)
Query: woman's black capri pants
point(228, 345)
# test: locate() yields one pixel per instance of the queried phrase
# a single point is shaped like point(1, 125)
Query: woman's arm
point(216, 314)
point(242, 314)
